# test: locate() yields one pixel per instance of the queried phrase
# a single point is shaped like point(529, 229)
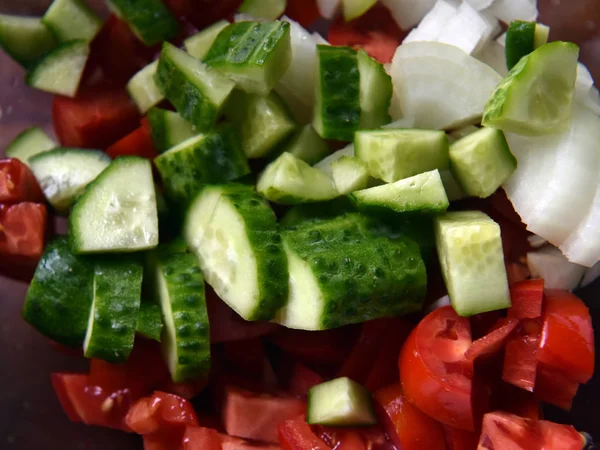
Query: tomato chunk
point(303, 379)
point(492, 342)
point(552, 386)
point(17, 183)
point(304, 12)
point(164, 440)
point(160, 412)
point(137, 143)
point(199, 438)
point(233, 443)
point(295, 434)
point(520, 356)
point(526, 297)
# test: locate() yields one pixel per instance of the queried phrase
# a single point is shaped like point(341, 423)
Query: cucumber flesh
point(143, 89)
point(326, 163)
point(376, 92)
point(150, 20)
point(200, 43)
point(470, 251)
point(522, 38)
point(25, 39)
point(356, 8)
point(289, 180)
point(349, 174)
point(114, 214)
point(264, 9)
point(149, 322)
point(29, 143)
point(307, 145)
point(340, 403)
point(169, 128)
point(71, 20)
point(64, 173)
point(482, 162)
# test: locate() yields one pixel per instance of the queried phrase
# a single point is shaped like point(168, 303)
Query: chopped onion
point(408, 13)
point(328, 8)
point(493, 55)
point(440, 86)
point(439, 303)
point(556, 270)
point(591, 274)
point(536, 242)
point(586, 93)
point(509, 10)
point(325, 163)
point(480, 4)
point(430, 27)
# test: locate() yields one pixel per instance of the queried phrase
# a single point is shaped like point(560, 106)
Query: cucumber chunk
point(326, 163)
point(25, 39)
point(197, 92)
point(376, 92)
point(423, 193)
point(264, 122)
point(60, 71)
point(289, 180)
point(72, 20)
point(114, 312)
point(29, 143)
point(59, 298)
point(200, 43)
point(482, 162)
point(356, 8)
point(307, 145)
point(168, 128)
point(143, 89)
point(536, 98)
point(150, 20)
point(340, 403)
point(234, 234)
point(117, 212)
point(64, 173)
point(149, 322)
point(349, 174)
point(470, 251)
point(522, 38)
point(393, 154)
point(264, 9)
point(208, 158)
point(253, 54)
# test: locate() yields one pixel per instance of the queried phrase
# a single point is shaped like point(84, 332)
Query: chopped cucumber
point(233, 232)
point(197, 92)
point(209, 158)
point(149, 322)
point(423, 193)
point(349, 174)
point(29, 143)
point(537, 96)
point(454, 190)
point(289, 180)
point(143, 89)
point(470, 251)
point(25, 39)
point(253, 54)
point(59, 298)
point(393, 154)
point(64, 173)
point(264, 122)
point(168, 128)
point(150, 20)
point(200, 43)
point(522, 38)
point(114, 312)
point(115, 214)
point(307, 145)
point(482, 162)
point(264, 9)
point(340, 403)
point(460, 133)
point(376, 92)
point(72, 20)
point(60, 71)
point(326, 163)
point(356, 8)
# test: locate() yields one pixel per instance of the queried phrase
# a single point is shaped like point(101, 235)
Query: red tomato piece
point(233, 443)
point(526, 298)
point(460, 439)
point(198, 438)
point(520, 356)
point(350, 440)
point(303, 379)
point(295, 434)
point(17, 183)
point(160, 412)
point(435, 375)
point(406, 425)
point(567, 341)
point(164, 440)
point(137, 143)
point(559, 436)
point(494, 341)
point(552, 386)
point(304, 12)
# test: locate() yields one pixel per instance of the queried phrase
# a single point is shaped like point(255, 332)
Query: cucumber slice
point(423, 193)
point(29, 143)
point(470, 251)
point(209, 158)
point(264, 9)
point(149, 322)
point(482, 162)
point(168, 128)
point(64, 173)
point(356, 8)
point(326, 163)
point(264, 122)
point(349, 174)
point(537, 96)
point(340, 403)
point(150, 20)
point(114, 312)
point(72, 20)
point(115, 214)
point(307, 145)
point(522, 38)
point(393, 154)
point(340, 273)
point(234, 234)
point(197, 93)
point(200, 43)
point(255, 55)
point(143, 89)
point(317, 211)
point(289, 180)
point(59, 298)
point(60, 71)
point(25, 39)
point(180, 288)
point(376, 92)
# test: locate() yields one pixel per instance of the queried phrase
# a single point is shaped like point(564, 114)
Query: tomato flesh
point(551, 386)
point(160, 412)
point(303, 379)
point(17, 183)
point(520, 356)
point(295, 434)
point(199, 438)
point(526, 298)
point(305, 12)
point(494, 341)
point(137, 143)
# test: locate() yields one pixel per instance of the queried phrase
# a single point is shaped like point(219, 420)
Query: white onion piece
point(509, 10)
point(493, 55)
point(325, 163)
point(535, 241)
point(586, 93)
point(328, 8)
point(434, 21)
point(469, 29)
point(319, 40)
point(591, 274)
point(556, 270)
point(439, 303)
point(408, 13)
point(480, 4)
point(440, 86)
point(407, 122)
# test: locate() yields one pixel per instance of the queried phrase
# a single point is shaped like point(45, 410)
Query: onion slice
point(509, 10)
point(408, 13)
point(556, 270)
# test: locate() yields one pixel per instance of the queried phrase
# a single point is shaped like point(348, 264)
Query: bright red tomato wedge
point(295, 434)
point(520, 356)
point(199, 438)
point(494, 341)
point(17, 183)
point(160, 412)
point(304, 12)
point(526, 298)
point(137, 143)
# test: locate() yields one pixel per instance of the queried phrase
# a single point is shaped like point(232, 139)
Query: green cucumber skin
point(72, 20)
point(337, 109)
point(317, 211)
point(165, 133)
point(117, 291)
point(200, 43)
point(519, 41)
point(149, 322)
point(151, 20)
point(376, 91)
point(26, 50)
point(59, 297)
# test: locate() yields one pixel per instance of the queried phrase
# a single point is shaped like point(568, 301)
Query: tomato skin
point(520, 356)
point(552, 386)
point(526, 297)
point(305, 12)
point(494, 341)
point(17, 183)
point(295, 434)
point(136, 143)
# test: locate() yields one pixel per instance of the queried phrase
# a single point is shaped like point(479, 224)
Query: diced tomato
point(295, 434)
point(96, 118)
point(407, 426)
point(164, 440)
point(303, 379)
point(304, 12)
point(559, 436)
point(350, 440)
point(233, 443)
point(520, 356)
point(137, 143)
point(460, 439)
point(17, 183)
point(160, 412)
point(494, 341)
point(567, 342)
point(526, 298)
point(435, 375)
point(198, 438)
point(552, 386)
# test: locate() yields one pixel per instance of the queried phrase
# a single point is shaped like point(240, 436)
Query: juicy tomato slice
point(406, 425)
point(552, 386)
point(435, 375)
point(304, 12)
point(295, 434)
point(199, 438)
point(494, 341)
point(567, 341)
point(160, 412)
point(460, 439)
point(22, 230)
point(303, 379)
point(137, 143)
point(526, 298)
point(520, 356)
point(17, 183)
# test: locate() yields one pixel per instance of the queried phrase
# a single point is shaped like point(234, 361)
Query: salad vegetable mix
point(252, 207)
